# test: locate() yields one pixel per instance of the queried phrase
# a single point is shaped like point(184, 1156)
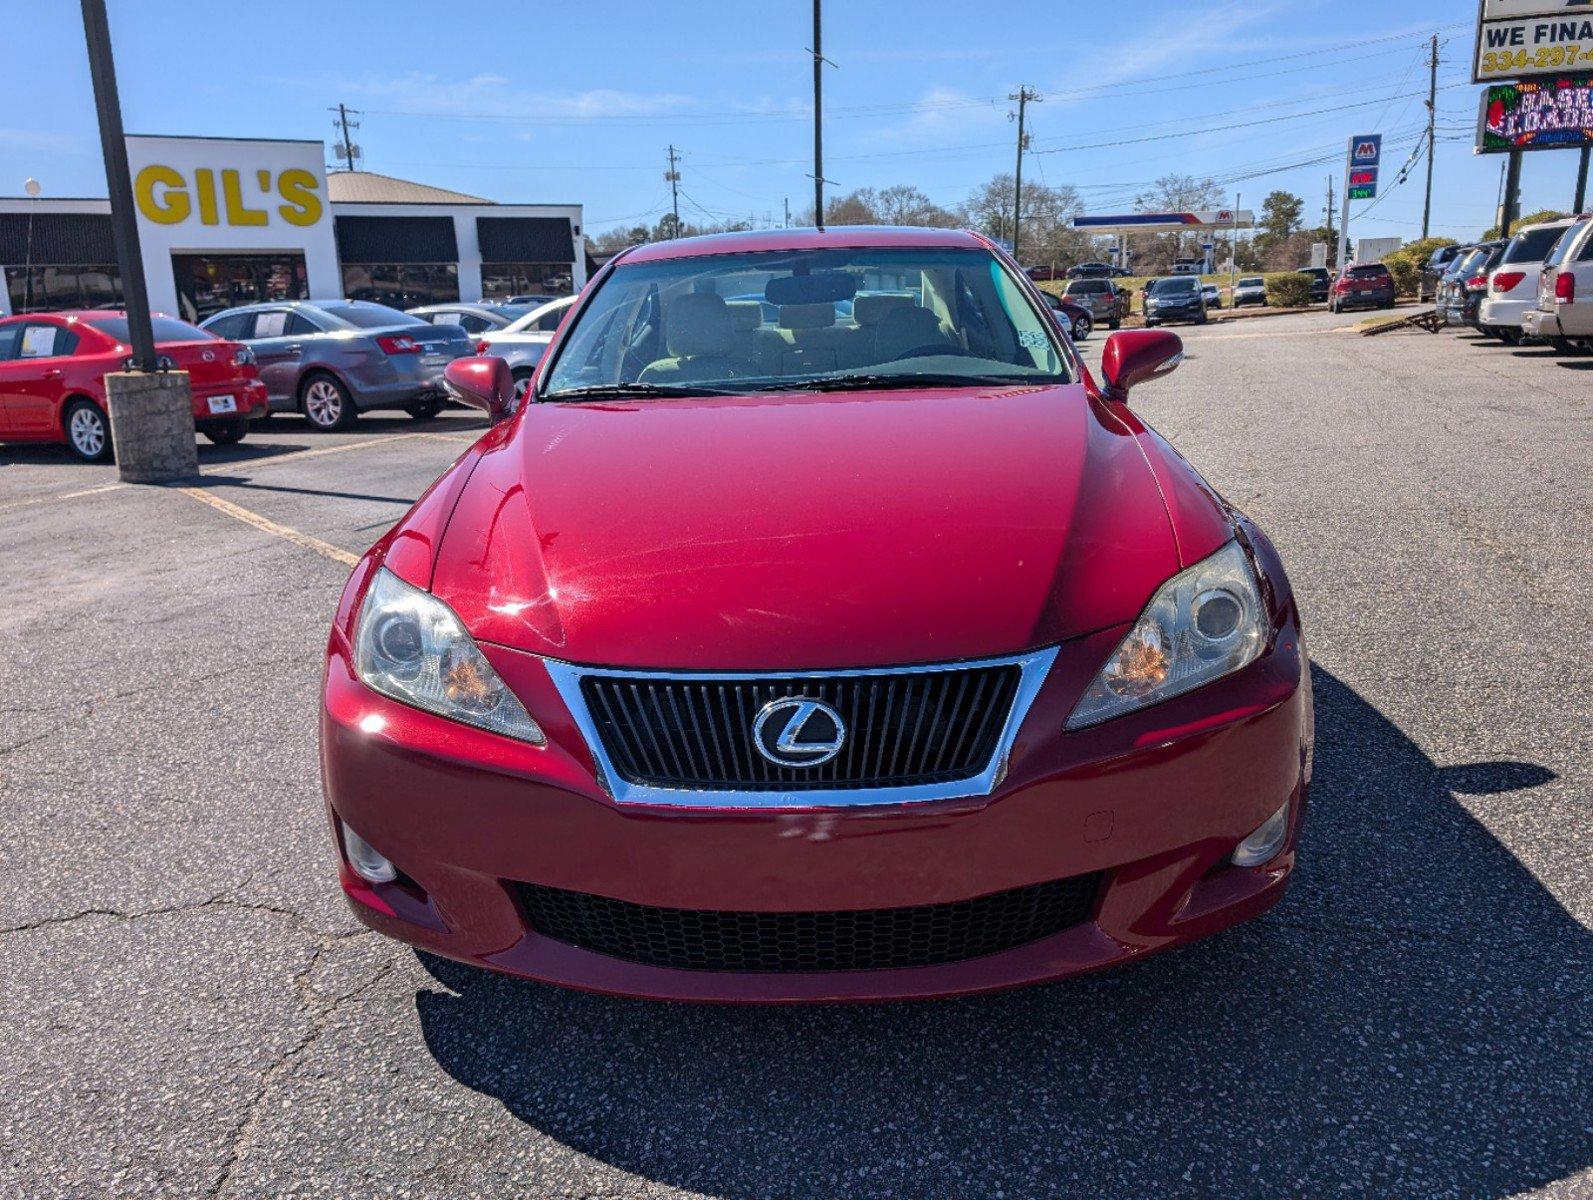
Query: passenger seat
point(697, 333)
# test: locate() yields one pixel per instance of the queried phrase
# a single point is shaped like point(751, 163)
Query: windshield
point(542, 318)
point(1184, 283)
point(365, 315)
point(808, 319)
point(165, 329)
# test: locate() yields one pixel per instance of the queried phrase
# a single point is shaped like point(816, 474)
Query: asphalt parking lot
point(189, 1010)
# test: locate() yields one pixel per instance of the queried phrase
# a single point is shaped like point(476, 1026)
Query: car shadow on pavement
point(1405, 1023)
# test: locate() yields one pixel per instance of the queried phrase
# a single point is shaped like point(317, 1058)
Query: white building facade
point(228, 221)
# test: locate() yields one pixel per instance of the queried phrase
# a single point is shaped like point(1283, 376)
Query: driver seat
point(907, 328)
point(697, 332)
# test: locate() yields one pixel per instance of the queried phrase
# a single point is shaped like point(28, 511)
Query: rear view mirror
point(483, 382)
point(821, 287)
point(1137, 356)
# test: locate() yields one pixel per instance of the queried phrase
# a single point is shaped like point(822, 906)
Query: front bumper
point(1155, 801)
point(1179, 312)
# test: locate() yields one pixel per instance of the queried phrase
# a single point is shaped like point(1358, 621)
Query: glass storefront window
point(499, 281)
point(401, 285)
point(208, 283)
point(51, 289)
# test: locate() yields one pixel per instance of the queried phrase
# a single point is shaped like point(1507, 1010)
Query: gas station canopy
point(1168, 222)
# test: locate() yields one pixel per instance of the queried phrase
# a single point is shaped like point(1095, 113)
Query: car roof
point(841, 237)
point(73, 314)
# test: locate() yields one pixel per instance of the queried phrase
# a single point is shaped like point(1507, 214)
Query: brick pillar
point(152, 426)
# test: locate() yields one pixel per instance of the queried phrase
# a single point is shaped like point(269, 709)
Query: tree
point(1048, 212)
point(1173, 193)
point(900, 204)
point(1537, 218)
point(1280, 218)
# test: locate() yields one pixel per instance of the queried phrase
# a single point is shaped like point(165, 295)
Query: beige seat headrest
point(873, 309)
point(807, 316)
point(745, 315)
point(697, 323)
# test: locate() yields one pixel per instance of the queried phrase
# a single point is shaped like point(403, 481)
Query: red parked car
point(53, 368)
point(789, 649)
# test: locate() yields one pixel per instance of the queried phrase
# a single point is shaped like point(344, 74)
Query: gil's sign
point(1519, 39)
point(1536, 114)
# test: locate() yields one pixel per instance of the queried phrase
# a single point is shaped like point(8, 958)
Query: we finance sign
point(1522, 39)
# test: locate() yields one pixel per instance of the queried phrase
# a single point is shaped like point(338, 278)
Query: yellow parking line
point(265, 525)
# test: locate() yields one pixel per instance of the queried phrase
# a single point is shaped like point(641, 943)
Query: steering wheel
point(945, 348)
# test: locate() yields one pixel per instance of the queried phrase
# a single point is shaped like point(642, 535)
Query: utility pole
point(1023, 96)
point(1432, 119)
point(673, 177)
point(787, 224)
point(818, 114)
point(1581, 182)
point(1331, 241)
point(151, 410)
point(348, 152)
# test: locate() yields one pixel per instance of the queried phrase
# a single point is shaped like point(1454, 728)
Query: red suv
point(1362, 285)
point(817, 628)
point(53, 368)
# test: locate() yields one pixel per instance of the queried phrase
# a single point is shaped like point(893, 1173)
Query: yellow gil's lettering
point(205, 186)
point(232, 194)
point(171, 205)
point(303, 206)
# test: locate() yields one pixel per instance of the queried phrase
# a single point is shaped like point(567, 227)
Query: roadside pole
point(1344, 218)
point(152, 420)
point(1581, 181)
point(1233, 250)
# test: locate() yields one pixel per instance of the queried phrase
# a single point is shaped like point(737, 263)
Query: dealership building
point(227, 221)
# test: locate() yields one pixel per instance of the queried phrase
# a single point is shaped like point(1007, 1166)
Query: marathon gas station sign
point(1522, 39)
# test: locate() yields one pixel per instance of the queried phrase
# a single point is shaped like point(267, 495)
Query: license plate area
point(222, 404)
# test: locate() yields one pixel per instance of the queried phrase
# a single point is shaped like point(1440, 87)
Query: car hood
point(806, 531)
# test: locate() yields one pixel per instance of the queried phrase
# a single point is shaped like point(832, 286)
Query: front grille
point(848, 940)
point(903, 729)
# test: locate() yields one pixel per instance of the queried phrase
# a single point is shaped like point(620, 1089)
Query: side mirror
point(1137, 356)
point(483, 382)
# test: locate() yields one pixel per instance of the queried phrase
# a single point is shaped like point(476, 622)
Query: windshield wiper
point(882, 382)
point(635, 391)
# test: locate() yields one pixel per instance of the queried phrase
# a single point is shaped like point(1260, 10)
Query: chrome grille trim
point(567, 678)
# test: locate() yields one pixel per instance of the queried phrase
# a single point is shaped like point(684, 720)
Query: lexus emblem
point(209, 356)
point(798, 731)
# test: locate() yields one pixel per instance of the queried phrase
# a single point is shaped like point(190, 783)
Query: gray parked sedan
point(522, 344)
point(333, 359)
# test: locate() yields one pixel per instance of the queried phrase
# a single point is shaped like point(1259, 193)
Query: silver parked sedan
point(333, 359)
point(523, 343)
point(474, 319)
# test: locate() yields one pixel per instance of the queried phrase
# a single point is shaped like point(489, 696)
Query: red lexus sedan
point(53, 368)
point(818, 629)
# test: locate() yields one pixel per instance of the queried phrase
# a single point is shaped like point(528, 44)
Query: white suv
point(1564, 313)
point(1513, 284)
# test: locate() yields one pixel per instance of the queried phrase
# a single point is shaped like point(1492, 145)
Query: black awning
point(525, 239)
point(396, 239)
point(59, 239)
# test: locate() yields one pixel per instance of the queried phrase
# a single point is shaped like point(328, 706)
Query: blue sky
point(577, 102)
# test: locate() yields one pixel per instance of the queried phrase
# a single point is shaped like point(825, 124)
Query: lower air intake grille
point(847, 940)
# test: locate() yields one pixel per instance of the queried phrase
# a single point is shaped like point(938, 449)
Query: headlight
point(1200, 625)
point(409, 645)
